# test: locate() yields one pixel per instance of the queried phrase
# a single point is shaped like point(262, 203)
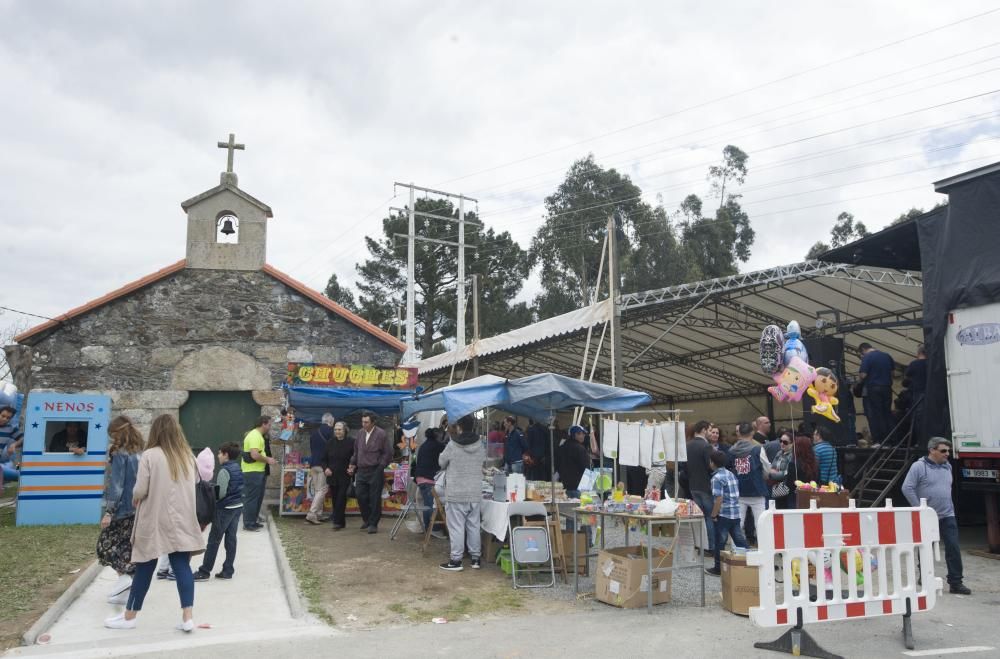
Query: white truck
point(972, 354)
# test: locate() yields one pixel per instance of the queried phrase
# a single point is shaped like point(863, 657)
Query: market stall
point(313, 390)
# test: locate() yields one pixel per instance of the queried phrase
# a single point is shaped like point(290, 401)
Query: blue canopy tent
point(536, 396)
point(310, 403)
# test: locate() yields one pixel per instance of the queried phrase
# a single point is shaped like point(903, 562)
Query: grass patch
point(36, 566)
point(309, 582)
point(500, 600)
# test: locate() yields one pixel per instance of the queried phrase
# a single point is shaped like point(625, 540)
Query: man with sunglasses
point(930, 479)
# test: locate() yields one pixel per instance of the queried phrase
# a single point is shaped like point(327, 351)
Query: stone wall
point(142, 342)
point(196, 330)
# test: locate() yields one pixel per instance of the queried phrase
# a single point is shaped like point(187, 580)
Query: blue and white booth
point(63, 459)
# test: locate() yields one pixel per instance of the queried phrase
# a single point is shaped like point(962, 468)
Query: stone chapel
point(207, 338)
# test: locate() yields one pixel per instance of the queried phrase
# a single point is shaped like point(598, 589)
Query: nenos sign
point(351, 375)
point(979, 335)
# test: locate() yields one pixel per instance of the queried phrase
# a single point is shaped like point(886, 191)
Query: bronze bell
point(227, 227)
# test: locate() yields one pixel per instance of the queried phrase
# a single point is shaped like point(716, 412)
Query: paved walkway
point(251, 605)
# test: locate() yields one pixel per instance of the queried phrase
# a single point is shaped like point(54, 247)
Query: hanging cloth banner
point(610, 438)
point(674, 447)
point(647, 435)
point(628, 444)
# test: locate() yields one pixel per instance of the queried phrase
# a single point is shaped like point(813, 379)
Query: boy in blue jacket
point(229, 492)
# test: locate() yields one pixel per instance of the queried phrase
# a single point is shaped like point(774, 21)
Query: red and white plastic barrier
point(894, 547)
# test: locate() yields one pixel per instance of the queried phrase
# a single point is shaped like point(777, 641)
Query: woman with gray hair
point(317, 451)
point(338, 457)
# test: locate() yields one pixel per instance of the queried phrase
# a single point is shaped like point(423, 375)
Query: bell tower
point(226, 227)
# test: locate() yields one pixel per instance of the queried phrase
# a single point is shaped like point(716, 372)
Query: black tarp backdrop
point(960, 260)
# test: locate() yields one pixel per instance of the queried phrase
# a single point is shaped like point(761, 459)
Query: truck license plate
point(981, 473)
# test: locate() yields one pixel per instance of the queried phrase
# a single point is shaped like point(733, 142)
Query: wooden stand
point(437, 516)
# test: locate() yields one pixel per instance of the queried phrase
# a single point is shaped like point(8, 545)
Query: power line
point(726, 96)
point(25, 313)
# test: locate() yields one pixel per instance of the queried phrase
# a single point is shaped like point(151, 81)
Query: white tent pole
point(578, 412)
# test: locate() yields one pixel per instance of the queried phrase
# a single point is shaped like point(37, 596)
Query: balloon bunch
point(784, 358)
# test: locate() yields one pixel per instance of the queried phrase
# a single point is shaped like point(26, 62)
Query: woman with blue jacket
point(114, 545)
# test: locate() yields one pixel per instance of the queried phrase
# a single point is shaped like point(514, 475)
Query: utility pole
point(617, 370)
point(411, 238)
point(460, 328)
point(475, 324)
point(411, 277)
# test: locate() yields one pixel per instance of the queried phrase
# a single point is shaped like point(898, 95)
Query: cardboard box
point(622, 581)
point(740, 585)
point(581, 549)
point(823, 499)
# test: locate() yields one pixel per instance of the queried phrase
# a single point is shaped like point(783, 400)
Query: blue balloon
point(793, 344)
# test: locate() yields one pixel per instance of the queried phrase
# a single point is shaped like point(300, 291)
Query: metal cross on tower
point(231, 145)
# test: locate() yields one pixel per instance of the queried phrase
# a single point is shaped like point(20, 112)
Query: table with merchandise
point(630, 514)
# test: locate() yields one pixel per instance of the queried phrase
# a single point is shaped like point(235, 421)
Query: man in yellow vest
point(255, 461)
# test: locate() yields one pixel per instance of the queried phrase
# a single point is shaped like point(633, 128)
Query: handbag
point(204, 499)
point(780, 491)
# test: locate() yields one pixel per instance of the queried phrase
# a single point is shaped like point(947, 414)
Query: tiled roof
point(294, 284)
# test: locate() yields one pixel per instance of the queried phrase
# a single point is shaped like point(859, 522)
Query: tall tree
point(500, 261)
point(569, 243)
point(715, 244)
point(342, 296)
point(845, 230)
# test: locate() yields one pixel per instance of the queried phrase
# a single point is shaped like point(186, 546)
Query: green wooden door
point(213, 418)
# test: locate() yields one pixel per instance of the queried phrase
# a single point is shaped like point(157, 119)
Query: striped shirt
point(9, 434)
point(724, 485)
point(826, 456)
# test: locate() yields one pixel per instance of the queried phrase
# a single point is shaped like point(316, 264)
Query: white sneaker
point(122, 585)
point(119, 622)
point(121, 598)
point(185, 626)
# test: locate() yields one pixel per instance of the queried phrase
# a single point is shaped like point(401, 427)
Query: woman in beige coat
point(166, 521)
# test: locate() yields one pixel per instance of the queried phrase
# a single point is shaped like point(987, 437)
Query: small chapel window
point(227, 228)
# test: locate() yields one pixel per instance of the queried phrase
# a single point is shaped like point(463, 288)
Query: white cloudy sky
point(111, 112)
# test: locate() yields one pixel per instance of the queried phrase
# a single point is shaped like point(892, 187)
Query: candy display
point(812, 487)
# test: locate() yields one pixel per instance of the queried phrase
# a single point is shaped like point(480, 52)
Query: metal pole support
point(797, 641)
point(908, 628)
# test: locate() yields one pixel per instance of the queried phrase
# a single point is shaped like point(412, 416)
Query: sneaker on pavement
point(251, 529)
point(959, 589)
point(185, 626)
point(119, 622)
point(372, 529)
point(476, 564)
point(121, 586)
point(438, 534)
point(201, 576)
point(223, 575)
point(171, 576)
point(312, 520)
point(452, 566)
point(120, 599)
point(163, 574)
point(714, 571)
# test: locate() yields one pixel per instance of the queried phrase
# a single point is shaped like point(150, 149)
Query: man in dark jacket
point(514, 447)
point(575, 459)
point(318, 440)
point(538, 452)
point(426, 469)
point(750, 464)
point(372, 454)
point(699, 477)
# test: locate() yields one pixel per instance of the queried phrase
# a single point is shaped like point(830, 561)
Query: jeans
point(180, 563)
point(253, 496)
point(9, 473)
point(225, 524)
point(948, 528)
point(340, 482)
point(880, 408)
point(463, 527)
point(427, 496)
point(724, 528)
point(319, 492)
point(368, 486)
point(704, 501)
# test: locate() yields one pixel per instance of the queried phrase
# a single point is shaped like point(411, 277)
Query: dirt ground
point(361, 581)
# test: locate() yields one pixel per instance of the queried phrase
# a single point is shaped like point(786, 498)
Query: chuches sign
point(351, 375)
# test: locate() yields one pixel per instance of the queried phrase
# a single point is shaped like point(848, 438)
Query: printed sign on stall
point(351, 375)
